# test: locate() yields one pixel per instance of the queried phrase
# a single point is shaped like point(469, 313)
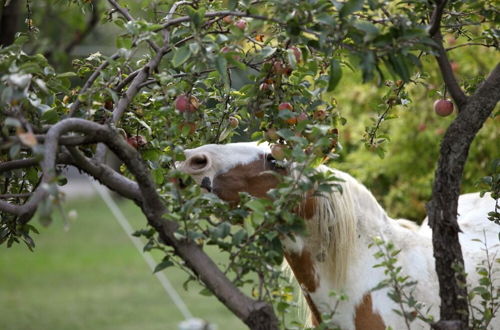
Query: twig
point(129, 18)
point(469, 44)
point(223, 13)
point(90, 81)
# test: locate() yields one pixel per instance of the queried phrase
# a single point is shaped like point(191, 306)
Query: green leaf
point(350, 7)
point(335, 75)
point(181, 55)
point(370, 30)
point(162, 265)
point(221, 66)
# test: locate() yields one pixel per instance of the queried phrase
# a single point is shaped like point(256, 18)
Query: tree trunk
point(442, 209)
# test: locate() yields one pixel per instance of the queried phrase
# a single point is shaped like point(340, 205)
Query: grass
point(91, 277)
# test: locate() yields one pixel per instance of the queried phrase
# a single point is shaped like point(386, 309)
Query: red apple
point(285, 106)
point(421, 127)
point(443, 107)
point(228, 20)
point(241, 24)
point(183, 103)
point(264, 86)
point(302, 116)
point(278, 151)
point(279, 67)
point(137, 141)
point(319, 114)
point(233, 122)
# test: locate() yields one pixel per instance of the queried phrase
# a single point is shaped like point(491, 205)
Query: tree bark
point(442, 209)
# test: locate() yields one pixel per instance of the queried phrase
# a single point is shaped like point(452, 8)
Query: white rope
point(179, 303)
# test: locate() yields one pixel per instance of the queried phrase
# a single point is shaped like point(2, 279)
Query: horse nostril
point(205, 183)
point(198, 162)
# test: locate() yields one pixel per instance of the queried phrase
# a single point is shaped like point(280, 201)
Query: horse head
point(227, 170)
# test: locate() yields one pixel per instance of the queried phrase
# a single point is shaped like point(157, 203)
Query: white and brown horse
point(335, 254)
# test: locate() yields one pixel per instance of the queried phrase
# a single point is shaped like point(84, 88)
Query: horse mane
point(331, 230)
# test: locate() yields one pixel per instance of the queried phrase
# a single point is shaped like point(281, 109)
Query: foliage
point(491, 183)
point(487, 290)
point(401, 286)
point(232, 60)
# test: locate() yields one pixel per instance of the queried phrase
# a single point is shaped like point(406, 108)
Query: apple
point(278, 151)
point(319, 114)
point(264, 87)
point(108, 104)
point(443, 107)
point(228, 20)
point(279, 67)
point(297, 53)
point(285, 106)
point(454, 66)
point(302, 116)
point(233, 122)
point(137, 141)
point(272, 134)
point(421, 127)
point(241, 24)
point(183, 103)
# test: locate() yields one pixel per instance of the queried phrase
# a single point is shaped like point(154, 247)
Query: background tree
point(187, 73)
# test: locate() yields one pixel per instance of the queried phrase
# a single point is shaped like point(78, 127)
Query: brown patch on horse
point(303, 269)
point(307, 208)
point(255, 178)
point(366, 318)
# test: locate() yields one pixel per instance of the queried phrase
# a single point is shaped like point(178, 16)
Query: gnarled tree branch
point(256, 314)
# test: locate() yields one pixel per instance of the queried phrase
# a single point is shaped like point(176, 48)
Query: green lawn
point(92, 277)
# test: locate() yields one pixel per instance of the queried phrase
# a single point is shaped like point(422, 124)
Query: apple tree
point(186, 73)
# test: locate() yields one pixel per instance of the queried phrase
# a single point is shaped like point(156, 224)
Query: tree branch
point(255, 314)
point(18, 163)
point(447, 73)
point(442, 58)
point(436, 17)
point(129, 18)
point(222, 13)
point(75, 105)
point(106, 175)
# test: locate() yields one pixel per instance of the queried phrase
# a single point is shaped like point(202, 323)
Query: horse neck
point(342, 221)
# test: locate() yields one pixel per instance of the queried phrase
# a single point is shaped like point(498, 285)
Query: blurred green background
point(92, 277)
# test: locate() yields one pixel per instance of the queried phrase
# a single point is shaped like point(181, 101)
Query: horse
point(335, 254)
